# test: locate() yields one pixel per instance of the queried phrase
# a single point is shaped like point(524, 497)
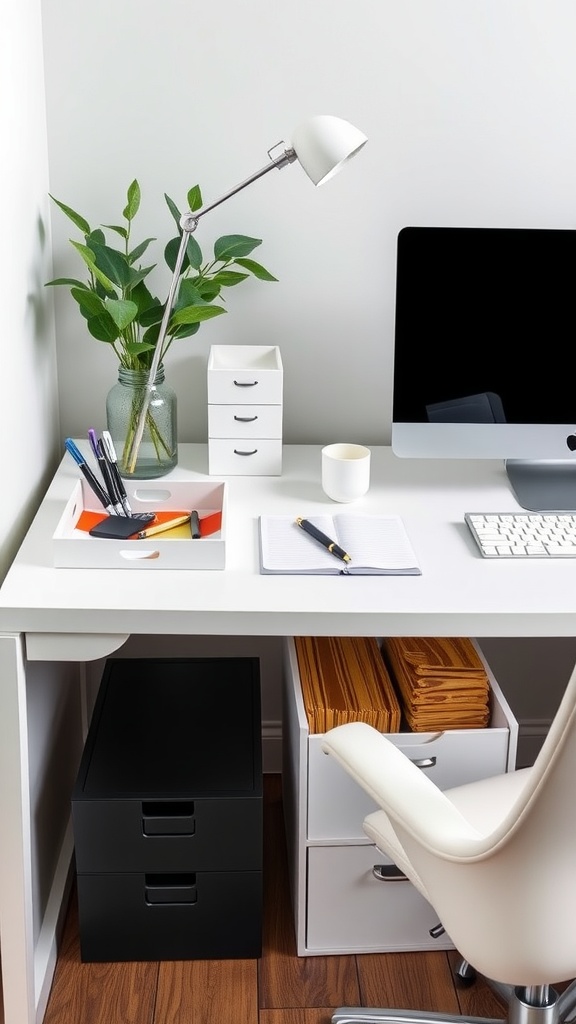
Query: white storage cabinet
point(245, 386)
point(339, 905)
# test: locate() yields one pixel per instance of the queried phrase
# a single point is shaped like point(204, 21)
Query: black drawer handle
point(245, 383)
point(168, 818)
point(167, 889)
point(245, 419)
point(388, 873)
point(237, 452)
point(424, 762)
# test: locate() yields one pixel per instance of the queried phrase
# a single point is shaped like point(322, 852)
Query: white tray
point(76, 549)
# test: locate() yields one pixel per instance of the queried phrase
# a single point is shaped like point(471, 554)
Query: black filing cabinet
point(167, 812)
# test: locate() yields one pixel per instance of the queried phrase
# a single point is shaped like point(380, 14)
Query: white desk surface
point(459, 592)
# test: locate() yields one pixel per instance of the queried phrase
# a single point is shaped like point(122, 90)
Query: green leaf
point(188, 294)
point(193, 253)
point(96, 236)
point(194, 198)
point(228, 278)
point(118, 229)
point(151, 315)
point(186, 331)
point(122, 311)
point(171, 255)
point(88, 257)
point(136, 276)
point(112, 263)
point(69, 281)
point(195, 314)
point(151, 335)
point(103, 328)
point(208, 290)
point(257, 269)
point(229, 247)
point(138, 348)
point(90, 303)
point(173, 209)
point(76, 218)
point(143, 298)
point(133, 205)
point(139, 250)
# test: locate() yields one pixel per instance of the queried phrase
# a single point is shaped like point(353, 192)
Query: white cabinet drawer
point(234, 421)
point(244, 375)
point(337, 805)
point(245, 457)
point(349, 910)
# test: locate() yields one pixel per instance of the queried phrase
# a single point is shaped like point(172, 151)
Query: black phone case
point(117, 527)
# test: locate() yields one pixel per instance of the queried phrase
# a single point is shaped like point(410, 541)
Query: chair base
point(552, 1009)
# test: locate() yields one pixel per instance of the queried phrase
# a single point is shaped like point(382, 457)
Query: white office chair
point(495, 858)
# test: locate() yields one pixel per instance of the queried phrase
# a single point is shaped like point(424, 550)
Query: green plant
point(115, 300)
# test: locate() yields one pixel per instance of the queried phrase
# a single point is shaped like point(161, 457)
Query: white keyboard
point(524, 534)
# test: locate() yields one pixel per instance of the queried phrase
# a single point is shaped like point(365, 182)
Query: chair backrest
point(512, 911)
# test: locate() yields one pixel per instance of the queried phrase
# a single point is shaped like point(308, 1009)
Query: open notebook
point(377, 545)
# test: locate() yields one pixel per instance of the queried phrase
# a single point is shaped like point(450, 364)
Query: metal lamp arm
point(188, 223)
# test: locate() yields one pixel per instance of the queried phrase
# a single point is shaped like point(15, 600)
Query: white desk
point(51, 615)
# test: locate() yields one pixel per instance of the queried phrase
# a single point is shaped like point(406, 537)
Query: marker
point(162, 527)
point(322, 539)
point(88, 475)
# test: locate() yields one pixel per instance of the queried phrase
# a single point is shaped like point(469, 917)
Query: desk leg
point(16, 920)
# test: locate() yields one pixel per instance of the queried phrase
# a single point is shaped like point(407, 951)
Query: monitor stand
point(543, 486)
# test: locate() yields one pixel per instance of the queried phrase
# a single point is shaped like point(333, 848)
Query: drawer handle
point(245, 419)
point(168, 889)
point(424, 762)
point(245, 383)
point(388, 873)
point(168, 818)
point(237, 452)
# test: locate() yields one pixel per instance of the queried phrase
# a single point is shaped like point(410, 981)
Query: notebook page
point(285, 547)
point(379, 542)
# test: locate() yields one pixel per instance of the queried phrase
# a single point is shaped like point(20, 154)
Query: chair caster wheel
point(464, 974)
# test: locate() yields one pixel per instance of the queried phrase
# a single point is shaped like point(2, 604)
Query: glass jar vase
point(157, 452)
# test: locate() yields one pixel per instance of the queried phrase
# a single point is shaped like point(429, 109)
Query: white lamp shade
point(323, 143)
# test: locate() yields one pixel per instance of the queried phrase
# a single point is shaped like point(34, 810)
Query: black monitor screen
point(485, 326)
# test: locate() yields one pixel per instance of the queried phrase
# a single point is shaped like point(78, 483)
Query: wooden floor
point(280, 988)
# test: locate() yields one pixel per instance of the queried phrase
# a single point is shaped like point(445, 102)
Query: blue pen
point(88, 475)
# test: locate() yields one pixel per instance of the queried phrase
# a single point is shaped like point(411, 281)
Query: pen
point(162, 527)
point(195, 525)
point(109, 482)
point(89, 475)
point(317, 534)
point(110, 452)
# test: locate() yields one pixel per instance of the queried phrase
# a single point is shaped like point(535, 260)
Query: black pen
point(110, 453)
point(326, 542)
point(109, 481)
point(195, 525)
point(89, 475)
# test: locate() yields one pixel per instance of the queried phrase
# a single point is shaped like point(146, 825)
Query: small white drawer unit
point(245, 385)
point(339, 903)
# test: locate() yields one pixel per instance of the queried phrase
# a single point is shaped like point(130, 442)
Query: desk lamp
point(322, 145)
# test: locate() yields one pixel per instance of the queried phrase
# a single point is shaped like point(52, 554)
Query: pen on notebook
point(326, 542)
point(88, 475)
point(110, 452)
point(162, 527)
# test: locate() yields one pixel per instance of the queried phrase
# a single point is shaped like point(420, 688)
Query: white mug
point(345, 471)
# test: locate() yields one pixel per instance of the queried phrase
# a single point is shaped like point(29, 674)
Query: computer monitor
point(485, 353)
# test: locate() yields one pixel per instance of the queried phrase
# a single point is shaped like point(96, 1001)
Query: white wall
point(29, 426)
point(28, 407)
point(468, 107)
